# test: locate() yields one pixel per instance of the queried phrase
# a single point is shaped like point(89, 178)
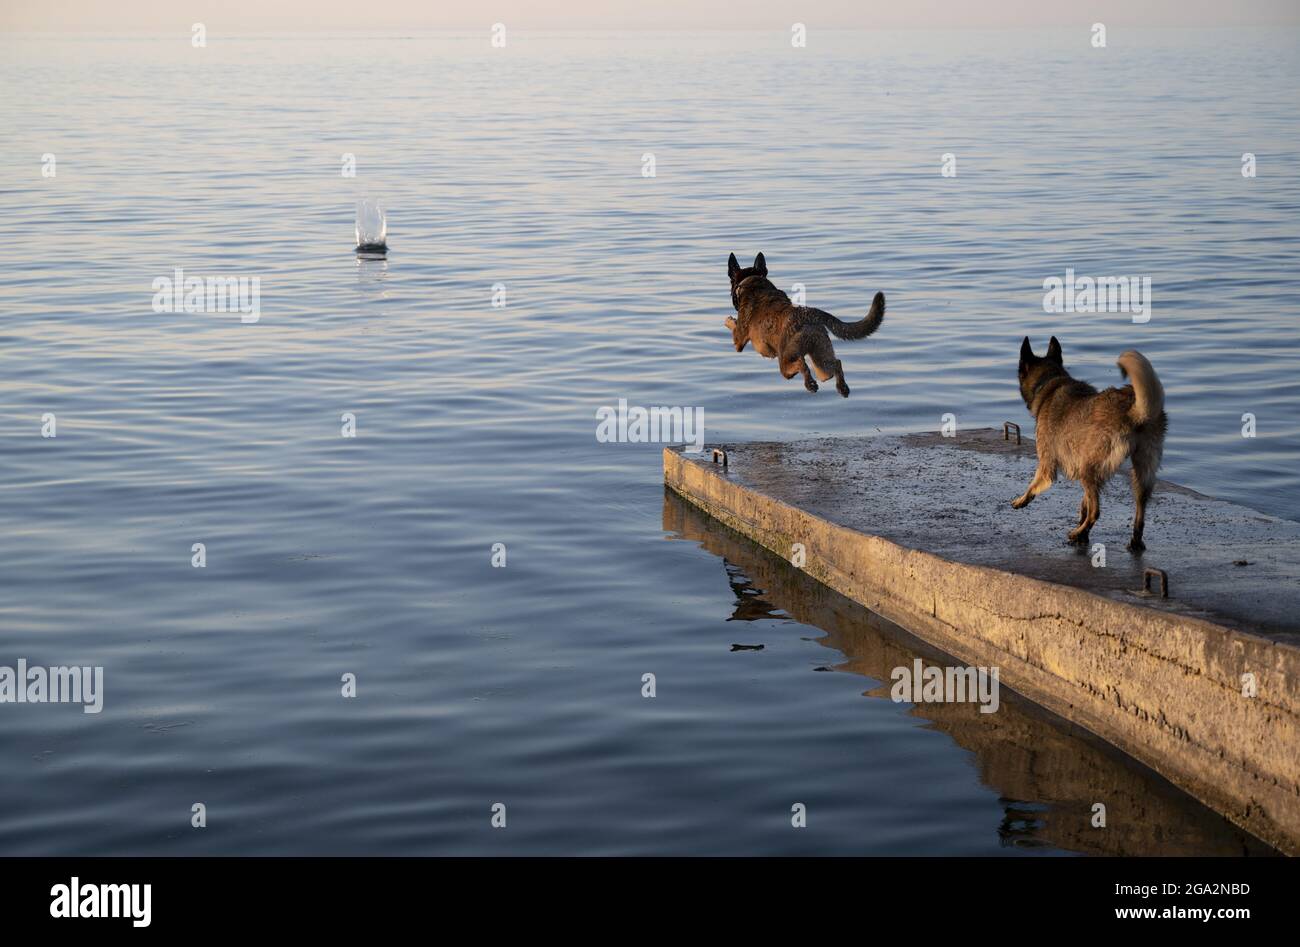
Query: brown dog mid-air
point(1086, 434)
point(781, 330)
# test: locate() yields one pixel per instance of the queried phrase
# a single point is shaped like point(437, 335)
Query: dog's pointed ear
point(732, 266)
point(1026, 351)
point(1054, 351)
point(760, 265)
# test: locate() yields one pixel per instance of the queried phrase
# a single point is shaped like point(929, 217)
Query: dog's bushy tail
point(860, 329)
point(1148, 393)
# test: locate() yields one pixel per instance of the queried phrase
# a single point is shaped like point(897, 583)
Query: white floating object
point(372, 227)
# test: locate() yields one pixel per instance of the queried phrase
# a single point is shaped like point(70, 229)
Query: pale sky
point(234, 16)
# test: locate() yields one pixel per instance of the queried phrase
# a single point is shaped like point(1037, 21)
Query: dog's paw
point(1136, 546)
point(843, 389)
point(1019, 503)
point(1080, 540)
point(731, 322)
point(811, 385)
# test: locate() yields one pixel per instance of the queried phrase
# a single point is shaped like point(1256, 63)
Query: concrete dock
point(1202, 686)
point(1047, 772)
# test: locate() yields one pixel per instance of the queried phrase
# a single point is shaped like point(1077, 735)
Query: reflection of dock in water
point(1048, 772)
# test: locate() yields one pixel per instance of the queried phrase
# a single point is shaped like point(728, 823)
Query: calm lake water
point(476, 425)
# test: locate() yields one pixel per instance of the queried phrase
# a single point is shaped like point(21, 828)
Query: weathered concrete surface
point(920, 530)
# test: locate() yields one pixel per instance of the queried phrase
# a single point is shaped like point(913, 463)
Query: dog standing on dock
point(1086, 434)
point(779, 329)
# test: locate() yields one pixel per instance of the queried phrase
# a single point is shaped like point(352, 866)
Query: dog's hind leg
point(1143, 480)
point(824, 360)
point(1092, 503)
point(822, 353)
point(841, 385)
point(1042, 480)
point(792, 360)
point(808, 381)
point(799, 366)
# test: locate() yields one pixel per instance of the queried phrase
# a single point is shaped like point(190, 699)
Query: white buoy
point(372, 227)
